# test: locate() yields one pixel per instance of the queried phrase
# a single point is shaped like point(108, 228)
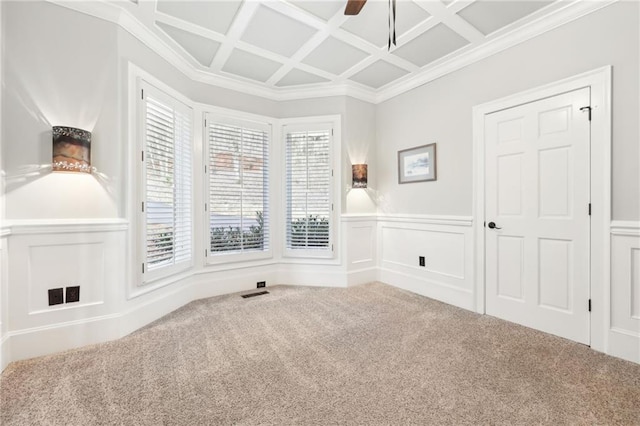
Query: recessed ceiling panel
point(202, 49)
point(250, 66)
point(431, 45)
point(213, 15)
point(334, 56)
point(378, 74)
point(296, 77)
point(489, 16)
point(322, 9)
point(277, 33)
point(372, 23)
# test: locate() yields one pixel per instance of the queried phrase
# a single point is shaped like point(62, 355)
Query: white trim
point(364, 217)
point(600, 82)
point(625, 227)
point(362, 276)
point(456, 296)
point(28, 343)
point(427, 219)
point(63, 226)
point(548, 19)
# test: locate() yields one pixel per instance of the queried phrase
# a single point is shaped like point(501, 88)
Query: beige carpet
point(365, 355)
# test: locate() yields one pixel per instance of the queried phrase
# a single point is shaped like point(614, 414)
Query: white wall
point(359, 135)
point(441, 111)
point(58, 75)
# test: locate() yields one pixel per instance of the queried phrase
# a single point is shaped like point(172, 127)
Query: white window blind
point(238, 186)
point(166, 206)
point(308, 187)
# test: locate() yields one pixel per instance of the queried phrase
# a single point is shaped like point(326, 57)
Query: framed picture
point(417, 164)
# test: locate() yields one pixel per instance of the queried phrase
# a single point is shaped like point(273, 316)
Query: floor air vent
point(260, 293)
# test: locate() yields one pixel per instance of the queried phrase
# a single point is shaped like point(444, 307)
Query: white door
point(537, 214)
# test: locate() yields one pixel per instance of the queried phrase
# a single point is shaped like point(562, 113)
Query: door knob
point(492, 225)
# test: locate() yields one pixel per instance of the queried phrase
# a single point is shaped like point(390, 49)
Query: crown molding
point(110, 12)
point(541, 25)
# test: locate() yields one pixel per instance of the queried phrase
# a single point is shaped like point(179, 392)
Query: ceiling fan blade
point(354, 7)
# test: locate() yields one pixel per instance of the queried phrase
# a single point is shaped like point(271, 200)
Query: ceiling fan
point(355, 6)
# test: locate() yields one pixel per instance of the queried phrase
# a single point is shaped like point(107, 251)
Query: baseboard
point(362, 276)
point(197, 286)
point(145, 311)
point(455, 296)
point(4, 352)
point(312, 276)
point(40, 341)
point(625, 345)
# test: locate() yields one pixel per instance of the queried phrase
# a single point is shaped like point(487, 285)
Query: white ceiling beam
point(239, 25)
point(189, 27)
point(449, 17)
point(316, 40)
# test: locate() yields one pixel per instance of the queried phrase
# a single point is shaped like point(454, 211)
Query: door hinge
point(143, 206)
point(205, 207)
point(587, 108)
point(141, 93)
point(331, 247)
point(331, 207)
point(205, 253)
point(589, 209)
point(205, 169)
point(143, 268)
point(589, 305)
point(485, 224)
point(141, 155)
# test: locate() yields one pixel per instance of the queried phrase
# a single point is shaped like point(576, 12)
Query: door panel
point(537, 193)
point(510, 267)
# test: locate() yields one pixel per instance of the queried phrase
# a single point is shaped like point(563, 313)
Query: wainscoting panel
point(624, 331)
point(60, 254)
point(446, 243)
point(62, 265)
point(360, 237)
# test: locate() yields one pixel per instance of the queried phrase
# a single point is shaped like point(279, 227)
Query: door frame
point(599, 80)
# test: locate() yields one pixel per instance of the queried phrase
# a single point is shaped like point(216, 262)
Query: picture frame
point(417, 164)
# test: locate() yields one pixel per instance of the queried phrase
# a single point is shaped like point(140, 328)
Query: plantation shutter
point(167, 184)
point(308, 187)
point(238, 186)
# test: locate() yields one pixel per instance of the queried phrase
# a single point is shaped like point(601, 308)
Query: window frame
point(154, 278)
point(333, 123)
point(238, 118)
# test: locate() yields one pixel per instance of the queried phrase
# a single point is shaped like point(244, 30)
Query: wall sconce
point(359, 173)
point(71, 150)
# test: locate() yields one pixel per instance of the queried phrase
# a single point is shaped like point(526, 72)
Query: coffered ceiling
point(305, 46)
